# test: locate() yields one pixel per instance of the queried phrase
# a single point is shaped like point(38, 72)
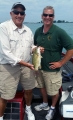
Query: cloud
point(34, 8)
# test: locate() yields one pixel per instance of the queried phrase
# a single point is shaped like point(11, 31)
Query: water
point(68, 27)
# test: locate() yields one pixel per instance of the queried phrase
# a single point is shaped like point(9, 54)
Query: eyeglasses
point(16, 12)
point(50, 15)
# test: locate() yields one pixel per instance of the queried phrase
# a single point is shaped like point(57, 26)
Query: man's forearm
point(67, 57)
point(24, 63)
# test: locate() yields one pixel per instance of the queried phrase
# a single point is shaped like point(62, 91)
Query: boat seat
point(67, 80)
point(66, 85)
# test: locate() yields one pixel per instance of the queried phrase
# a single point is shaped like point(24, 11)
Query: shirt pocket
point(28, 43)
point(13, 42)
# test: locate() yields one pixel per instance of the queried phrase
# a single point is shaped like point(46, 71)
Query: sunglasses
point(50, 15)
point(18, 12)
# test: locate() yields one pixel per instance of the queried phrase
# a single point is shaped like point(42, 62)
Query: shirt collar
point(49, 31)
point(15, 27)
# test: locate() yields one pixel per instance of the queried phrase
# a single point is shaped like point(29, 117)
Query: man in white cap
point(16, 44)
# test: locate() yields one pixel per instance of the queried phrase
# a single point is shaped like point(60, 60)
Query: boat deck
point(41, 115)
point(37, 98)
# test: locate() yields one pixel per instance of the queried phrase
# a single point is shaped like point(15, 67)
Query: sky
point(63, 9)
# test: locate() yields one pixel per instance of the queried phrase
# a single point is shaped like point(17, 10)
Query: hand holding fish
point(41, 49)
point(31, 66)
point(54, 65)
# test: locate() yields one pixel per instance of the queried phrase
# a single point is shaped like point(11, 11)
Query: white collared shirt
point(15, 44)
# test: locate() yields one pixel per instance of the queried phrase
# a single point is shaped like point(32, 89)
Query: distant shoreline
point(42, 22)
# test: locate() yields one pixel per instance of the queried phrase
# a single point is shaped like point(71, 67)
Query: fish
point(36, 58)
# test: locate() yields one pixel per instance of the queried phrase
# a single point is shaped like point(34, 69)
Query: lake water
point(68, 27)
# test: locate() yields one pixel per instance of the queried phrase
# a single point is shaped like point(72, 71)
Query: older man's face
point(18, 16)
point(48, 17)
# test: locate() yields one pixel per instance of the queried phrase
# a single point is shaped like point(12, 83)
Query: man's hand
point(54, 65)
point(31, 66)
point(41, 49)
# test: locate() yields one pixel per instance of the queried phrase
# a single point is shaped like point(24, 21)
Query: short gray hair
point(48, 7)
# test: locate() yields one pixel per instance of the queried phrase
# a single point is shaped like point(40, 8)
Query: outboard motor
point(66, 103)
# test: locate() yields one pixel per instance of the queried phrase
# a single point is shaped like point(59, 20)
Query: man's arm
point(27, 64)
point(68, 55)
point(6, 52)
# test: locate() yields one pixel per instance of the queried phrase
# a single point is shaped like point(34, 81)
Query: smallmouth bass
point(36, 59)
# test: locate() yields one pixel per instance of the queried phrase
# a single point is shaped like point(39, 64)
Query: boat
point(37, 98)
